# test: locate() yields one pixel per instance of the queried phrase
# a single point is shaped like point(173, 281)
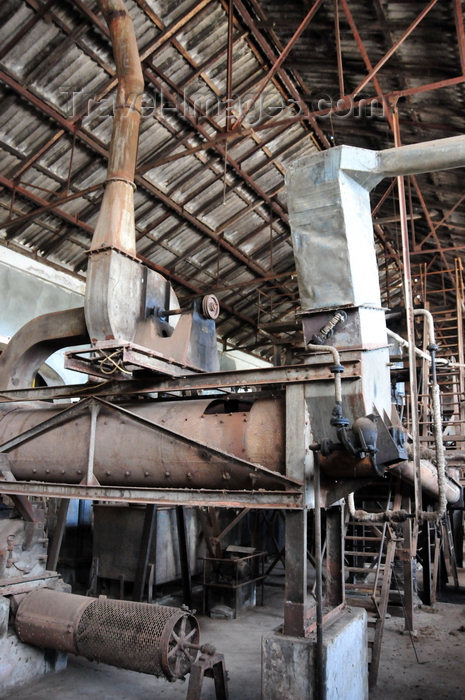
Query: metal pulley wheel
point(179, 646)
point(210, 307)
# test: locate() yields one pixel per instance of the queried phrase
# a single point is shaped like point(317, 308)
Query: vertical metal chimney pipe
point(115, 226)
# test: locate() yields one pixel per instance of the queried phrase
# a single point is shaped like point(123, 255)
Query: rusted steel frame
point(9, 225)
point(337, 31)
point(153, 225)
point(455, 227)
point(430, 224)
point(60, 234)
point(219, 175)
point(364, 54)
point(385, 195)
point(408, 300)
point(184, 556)
point(170, 90)
point(229, 65)
point(443, 220)
point(59, 22)
point(71, 32)
point(25, 509)
point(199, 226)
point(220, 138)
point(69, 218)
point(458, 17)
point(180, 138)
point(219, 238)
point(55, 232)
point(101, 150)
point(368, 100)
point(393, 48)
point(148, 530)
point(30, 254)
point(270, 55)
point(57, 539)
point(244, 176)
point(434, 251)
point(251, 234)
point(231, 525)
point(173, 29)
point(268, 376)
point(164, 37)
point(152, 15)
point(41, 11)
point(211, 61)
point(37, 154)
point(279, 61)
point(388, 246)
point(191, 497)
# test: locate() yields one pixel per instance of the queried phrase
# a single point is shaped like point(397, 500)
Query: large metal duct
point(153, 639)
point(115, 224)
point(115, 279)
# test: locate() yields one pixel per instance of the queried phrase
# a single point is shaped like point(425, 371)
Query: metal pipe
point(408, 298)
point(429, 479)
point(115, 225)
point(337, 362)
point(443, 361)
point(365, 516)
point(440, 154)
point(437, 420)
point(405, 344)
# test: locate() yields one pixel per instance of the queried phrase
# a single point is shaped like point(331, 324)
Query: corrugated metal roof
point(212, 221)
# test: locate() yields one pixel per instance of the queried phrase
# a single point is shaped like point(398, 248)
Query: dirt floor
point(438, 674)
point(437, 670)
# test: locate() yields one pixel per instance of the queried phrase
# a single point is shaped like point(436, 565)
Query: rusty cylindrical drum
point(153, 639)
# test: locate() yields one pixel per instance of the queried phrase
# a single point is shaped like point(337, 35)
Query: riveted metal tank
point(201, 443)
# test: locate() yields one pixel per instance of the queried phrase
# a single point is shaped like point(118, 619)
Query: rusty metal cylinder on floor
point(153, 639)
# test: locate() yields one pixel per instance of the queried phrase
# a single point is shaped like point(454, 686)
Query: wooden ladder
point(369, 553)
point(449, 550)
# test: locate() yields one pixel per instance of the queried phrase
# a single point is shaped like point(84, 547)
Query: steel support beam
point(295, 592)
point(148, 529)
point(335, 589)
point(172, 497)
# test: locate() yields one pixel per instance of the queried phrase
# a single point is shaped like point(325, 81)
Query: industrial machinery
point(145, 433)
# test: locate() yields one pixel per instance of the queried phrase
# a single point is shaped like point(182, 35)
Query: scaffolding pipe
point(437, 420)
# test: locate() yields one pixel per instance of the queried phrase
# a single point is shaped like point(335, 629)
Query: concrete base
point(21, 663)
point(288, 663)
